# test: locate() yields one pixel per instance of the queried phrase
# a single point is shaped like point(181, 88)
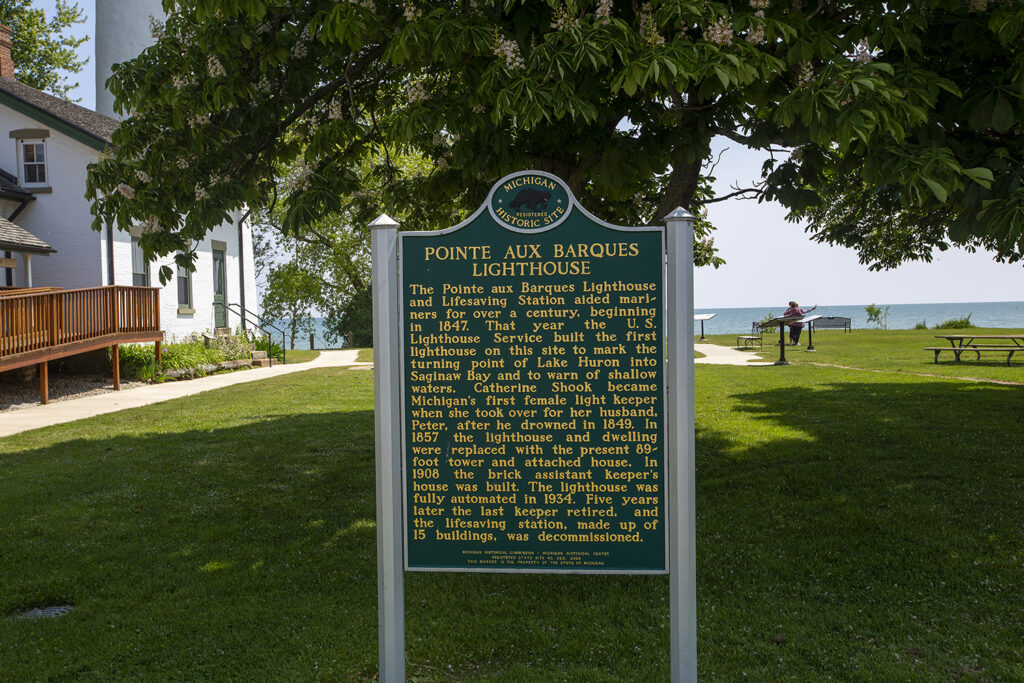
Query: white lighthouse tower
point(122, 32)
point(223, 283)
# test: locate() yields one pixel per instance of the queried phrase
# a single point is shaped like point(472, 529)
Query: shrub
point(768, 316)
point(923, 325)
point(357, 318)
point(273, 349)
point(233, 348)
point(878, 316)
point(138, 360)
point(956, 324)
point(188, 355)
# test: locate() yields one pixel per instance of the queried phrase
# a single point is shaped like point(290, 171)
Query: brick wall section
point(6, 63)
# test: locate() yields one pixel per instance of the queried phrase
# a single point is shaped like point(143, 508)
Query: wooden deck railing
point(39, 326)
point(36, 321)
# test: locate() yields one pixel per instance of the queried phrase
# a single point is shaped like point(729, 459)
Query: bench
point(976, 348)
point(833, 322)
point(748, 340)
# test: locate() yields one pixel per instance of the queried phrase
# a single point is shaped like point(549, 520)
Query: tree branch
point(324, 91)
point(746, 190)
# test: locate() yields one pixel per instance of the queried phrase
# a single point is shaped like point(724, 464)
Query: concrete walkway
point(59, 412)
point(723, 355)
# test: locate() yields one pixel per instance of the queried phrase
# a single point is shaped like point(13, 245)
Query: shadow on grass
point(886, 515)
point(246, 551)
point(250, 551)
point(866, 529)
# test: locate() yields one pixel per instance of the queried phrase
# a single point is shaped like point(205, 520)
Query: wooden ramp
point(37, 326)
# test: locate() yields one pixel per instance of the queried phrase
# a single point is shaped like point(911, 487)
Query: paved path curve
point(723, 355)
point(59, 412)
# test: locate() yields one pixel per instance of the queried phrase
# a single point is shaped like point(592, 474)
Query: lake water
point(1005, 314)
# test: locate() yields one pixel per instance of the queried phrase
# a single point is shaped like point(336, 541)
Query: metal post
point(679, 416)
point(702, 330)
point(782, 345)
point(387, 411)
point(810, 336)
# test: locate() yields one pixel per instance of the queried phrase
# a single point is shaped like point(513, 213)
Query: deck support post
point(44, 382)
point(116, 362)
point(159, 355)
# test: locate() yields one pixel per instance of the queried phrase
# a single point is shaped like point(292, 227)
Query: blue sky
point(770, 261)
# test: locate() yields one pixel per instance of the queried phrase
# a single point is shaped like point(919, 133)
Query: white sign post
point(387, 429)
point(680, 416)
point(679, 419)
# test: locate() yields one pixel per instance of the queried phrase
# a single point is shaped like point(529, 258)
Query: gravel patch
point(18, 395)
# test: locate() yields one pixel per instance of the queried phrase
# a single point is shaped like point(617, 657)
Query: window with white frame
point(184, 288)
point(140, 266)
point(33, 163)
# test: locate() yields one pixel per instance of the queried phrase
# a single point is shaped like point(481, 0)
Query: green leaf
point(723, 76)
point(938, 190)
point(980, 175)
point(1002, 114)
point(982, 113)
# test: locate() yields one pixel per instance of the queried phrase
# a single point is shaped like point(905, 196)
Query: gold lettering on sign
point(533, 389)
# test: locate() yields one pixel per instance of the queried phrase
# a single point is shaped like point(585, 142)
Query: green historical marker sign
point(533, 391)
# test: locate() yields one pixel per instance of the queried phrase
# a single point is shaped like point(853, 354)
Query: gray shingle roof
point(17, 238)
point(9, 186)
point(85, 120)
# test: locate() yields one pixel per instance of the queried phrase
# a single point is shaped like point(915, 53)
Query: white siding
point(60, 218)
point(177, 324)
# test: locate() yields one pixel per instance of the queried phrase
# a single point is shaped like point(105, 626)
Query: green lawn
point(301, 355)
point(854, 525)
point(897, 351)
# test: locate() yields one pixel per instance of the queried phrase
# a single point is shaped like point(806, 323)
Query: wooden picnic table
point(959, 343)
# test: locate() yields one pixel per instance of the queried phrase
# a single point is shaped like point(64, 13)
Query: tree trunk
point(682, 185)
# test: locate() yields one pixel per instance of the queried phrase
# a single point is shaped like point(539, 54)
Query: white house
point(42, 191)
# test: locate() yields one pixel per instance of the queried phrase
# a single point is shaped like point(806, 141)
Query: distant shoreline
point(993, 314)
point(880, 303)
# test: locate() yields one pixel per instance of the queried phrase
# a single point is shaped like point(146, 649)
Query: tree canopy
point(903, 119)
point(321, 268)
point(44, 55)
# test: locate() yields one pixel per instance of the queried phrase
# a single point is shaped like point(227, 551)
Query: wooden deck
point(37, 326)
